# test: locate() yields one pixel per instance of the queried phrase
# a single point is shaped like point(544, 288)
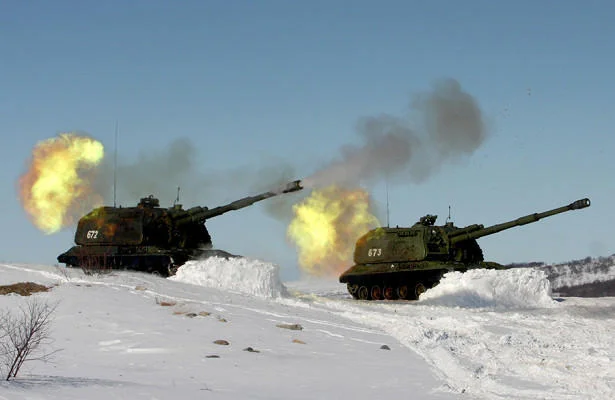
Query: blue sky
point(253, 84)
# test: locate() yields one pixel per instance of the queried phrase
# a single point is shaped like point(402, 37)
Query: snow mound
point(238, 274)
point(487, 288)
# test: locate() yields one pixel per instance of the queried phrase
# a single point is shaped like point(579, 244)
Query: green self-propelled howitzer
point(401, 263)
point(151, 238)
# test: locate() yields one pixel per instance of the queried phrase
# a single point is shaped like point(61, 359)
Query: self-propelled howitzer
point(401, 263)
point(151, 238)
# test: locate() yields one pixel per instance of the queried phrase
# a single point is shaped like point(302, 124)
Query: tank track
point(161, 265)
point(105, 259)
point(398, 286)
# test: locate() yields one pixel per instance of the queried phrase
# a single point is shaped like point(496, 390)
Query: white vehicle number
point(92, 234)
point(375, 252)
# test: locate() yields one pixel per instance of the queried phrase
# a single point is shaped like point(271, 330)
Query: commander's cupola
point(148, 202)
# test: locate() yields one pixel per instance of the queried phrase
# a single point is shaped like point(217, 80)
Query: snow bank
point(238, 274)
point(504, 289)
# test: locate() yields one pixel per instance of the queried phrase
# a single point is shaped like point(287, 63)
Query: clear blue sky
point(260, 82)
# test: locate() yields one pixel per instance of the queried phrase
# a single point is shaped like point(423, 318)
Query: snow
point(480, 335)
point(238, 274)
point(508, 289)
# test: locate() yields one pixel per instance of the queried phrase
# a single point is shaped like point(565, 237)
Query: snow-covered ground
point(479, 335)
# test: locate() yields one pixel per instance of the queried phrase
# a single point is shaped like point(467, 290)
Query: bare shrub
point(63, 272)
point(24, 335)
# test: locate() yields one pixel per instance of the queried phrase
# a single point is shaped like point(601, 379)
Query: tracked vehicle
point(150, 238)
point(401, 263)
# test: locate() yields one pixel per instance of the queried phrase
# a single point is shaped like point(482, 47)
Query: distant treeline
point(587, 277)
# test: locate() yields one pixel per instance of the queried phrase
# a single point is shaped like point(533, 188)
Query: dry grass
point(292, 327)
point(23, 288)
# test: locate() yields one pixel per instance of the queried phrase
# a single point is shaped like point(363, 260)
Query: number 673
point(375, 252)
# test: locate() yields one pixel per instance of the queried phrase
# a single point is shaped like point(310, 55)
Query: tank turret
point(148, 237)
point(403, 262)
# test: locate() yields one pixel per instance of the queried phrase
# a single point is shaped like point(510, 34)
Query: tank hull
point(149, 259)
point(401, 281)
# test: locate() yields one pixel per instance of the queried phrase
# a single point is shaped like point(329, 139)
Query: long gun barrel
point(200, 214)
point(475, 233)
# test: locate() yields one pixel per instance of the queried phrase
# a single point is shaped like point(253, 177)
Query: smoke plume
point(450, 125)
point(160, 172)
point(153, 172)
point(443, 124)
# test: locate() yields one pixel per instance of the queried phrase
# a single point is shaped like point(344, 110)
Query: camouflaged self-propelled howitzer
point(150, 238)
point(401, 263)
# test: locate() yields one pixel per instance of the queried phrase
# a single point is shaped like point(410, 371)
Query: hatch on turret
point(148, 202)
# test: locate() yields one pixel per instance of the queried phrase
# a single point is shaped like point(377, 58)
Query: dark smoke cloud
point(450, 125)
point(453, 119)
point(156, 172)
point(160, 172)
point(280, 207)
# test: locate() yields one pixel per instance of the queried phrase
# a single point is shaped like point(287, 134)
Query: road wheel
point(389, 293)
point(172, 269)
point(353, 288)
point(363, 293)
point(402, 292)
point(376, 292)
point(419, 289)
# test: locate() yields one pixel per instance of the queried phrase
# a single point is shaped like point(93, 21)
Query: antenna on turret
point(387, 190)
point(177, 199)
point(115, 166)
point(449, 214)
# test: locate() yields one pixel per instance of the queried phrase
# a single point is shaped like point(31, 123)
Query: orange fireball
point(326, 226)
point(57, 180)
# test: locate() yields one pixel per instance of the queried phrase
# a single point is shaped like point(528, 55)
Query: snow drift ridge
point(483, 288)
point(239, 274)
